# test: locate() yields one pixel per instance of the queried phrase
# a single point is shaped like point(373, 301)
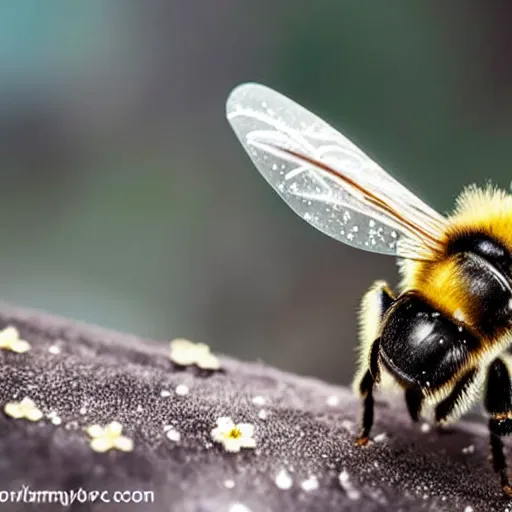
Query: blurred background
point(128, 202)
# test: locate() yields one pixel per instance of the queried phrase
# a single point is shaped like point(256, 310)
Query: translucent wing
point(329, 181)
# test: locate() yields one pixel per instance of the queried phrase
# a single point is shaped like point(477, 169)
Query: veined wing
point(328, 180)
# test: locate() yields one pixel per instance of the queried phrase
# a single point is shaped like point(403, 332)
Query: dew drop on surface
point(239, 507)
point(173, 435)
point(164, 393)
point(347, 425)
point(229, 484)
point(468, 509)
point(258, 400)
point(346, 484)
point(332, 401)
point(83, 410)
point(56, 420)
point(181, 389)
point(469, 449)
point(54, 349)
point(380, 437)
point(425, 427)
point(310, 484)
point(262, 414)
point(284, 480)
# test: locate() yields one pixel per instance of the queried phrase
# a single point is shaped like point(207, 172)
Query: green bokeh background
point(128, 202)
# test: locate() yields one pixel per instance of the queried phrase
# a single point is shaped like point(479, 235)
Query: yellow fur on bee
point(488, 210)
point(478, 210)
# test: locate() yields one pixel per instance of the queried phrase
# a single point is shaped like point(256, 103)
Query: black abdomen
point(420, 346)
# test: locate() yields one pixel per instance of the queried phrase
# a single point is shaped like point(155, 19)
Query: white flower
point(233, 436)
point(26, 409)
point(185, 353)
point(10, 340)
point(109, 437)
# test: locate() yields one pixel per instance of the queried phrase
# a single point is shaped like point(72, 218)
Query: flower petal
point(225, 422)
point(247, 442)
point(208, 362)
point(114, 429)
point(27, 403)
point(218, 434)
point(20, 346)
point(101, 444)
point(13, 410)
point(95, 431)
point(123, 443)
point(33, 414)
point(231, 445)
point(246, 429)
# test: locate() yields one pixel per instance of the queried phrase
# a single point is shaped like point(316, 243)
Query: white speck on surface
point(56, 420)
point(332, 401)
point(284, 480)
point(83, 410)
point(164, 393)
point(262, 414)
point(54, 349)
point(181, 389)
point(258, 400)
point(173, 434)
point(310, 484)
point(468, 509)
point(348, 426)
point(239, 507)
point(346, 484)
point(425, 427)
point(229, 484)
point(469, 449)
point(380, 437)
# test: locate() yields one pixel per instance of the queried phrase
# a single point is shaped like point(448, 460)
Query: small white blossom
point(284, 480)
point(181, 389)
point(26, 409)
point(258, 400)
point(173, 435)
point(10, 340)
point(109, 437)
point(185, 353)
point(311, 484)
point(233, 436)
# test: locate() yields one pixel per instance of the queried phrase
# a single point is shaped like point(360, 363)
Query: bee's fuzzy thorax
point(480, 212)
point(487, 210)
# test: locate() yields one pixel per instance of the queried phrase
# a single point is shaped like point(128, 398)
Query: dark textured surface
point(101, 376)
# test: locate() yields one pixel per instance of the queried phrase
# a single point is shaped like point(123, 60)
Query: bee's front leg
point(374, 304)
point(366, 385)
point(498, 402)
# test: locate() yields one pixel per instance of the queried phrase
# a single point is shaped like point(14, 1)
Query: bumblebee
point(445, 337)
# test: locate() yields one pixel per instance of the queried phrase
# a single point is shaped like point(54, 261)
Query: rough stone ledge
point(100, 376)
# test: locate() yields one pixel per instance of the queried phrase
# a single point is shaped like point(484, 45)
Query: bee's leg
point(366, 391)
point(448, 406)
point(374, 304)
point(414, 401)
point(498, 402)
